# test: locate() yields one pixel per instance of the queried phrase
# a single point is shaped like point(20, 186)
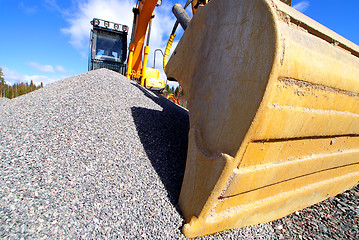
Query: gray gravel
point(4, 101)
point(95, 156)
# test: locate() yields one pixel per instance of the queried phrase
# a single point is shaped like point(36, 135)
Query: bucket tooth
point(273, 100)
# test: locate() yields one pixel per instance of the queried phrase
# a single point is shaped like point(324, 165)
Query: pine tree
point(32, 88)
point(2, 84)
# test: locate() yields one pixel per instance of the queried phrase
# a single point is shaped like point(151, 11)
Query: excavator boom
point(273, 100)
point(142, 17)
point(138, 51)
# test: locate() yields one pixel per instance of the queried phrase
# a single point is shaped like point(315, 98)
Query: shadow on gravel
point(164, 136)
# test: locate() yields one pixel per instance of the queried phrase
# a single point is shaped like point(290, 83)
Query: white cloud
point(119, 11)
point(301, 6)
point(41, 68)
point(15, 77)
point(61, 69)
point(47, 68)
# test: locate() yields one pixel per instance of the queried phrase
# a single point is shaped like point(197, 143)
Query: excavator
point(108, 47)
point(273, 100)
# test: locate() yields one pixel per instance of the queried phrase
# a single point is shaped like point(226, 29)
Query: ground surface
point(96, 156)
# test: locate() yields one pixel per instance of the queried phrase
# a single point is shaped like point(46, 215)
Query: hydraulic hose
point(171, 39)
point(168, 49)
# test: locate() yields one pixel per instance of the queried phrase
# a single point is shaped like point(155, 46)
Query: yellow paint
point(273, 100)
point(136, 68)
point(153, 79)
point(142, 20)
point(167, 50)
point(144, 67)
point(130, 57)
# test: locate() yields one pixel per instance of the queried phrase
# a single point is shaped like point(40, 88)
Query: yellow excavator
point(273, 100)
point(108, 47)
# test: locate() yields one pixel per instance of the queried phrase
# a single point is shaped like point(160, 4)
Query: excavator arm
point(137, 58)
point(142, 18)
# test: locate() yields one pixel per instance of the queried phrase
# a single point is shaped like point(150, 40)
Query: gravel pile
point(95, 156)
point(4, 101)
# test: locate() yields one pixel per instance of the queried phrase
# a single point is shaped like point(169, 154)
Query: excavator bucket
point(273, 100)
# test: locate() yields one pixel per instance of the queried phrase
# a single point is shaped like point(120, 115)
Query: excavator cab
point(108, 46)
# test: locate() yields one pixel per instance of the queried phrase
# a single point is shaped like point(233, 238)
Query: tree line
point(173, 90)
point(17, 89)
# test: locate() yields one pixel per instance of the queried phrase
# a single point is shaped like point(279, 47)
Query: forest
point(17, 89)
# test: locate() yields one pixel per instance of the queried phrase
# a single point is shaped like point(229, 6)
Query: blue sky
point(47, 40)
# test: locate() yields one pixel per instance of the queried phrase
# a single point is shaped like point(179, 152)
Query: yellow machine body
point(273, 100)
point(153, 79)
